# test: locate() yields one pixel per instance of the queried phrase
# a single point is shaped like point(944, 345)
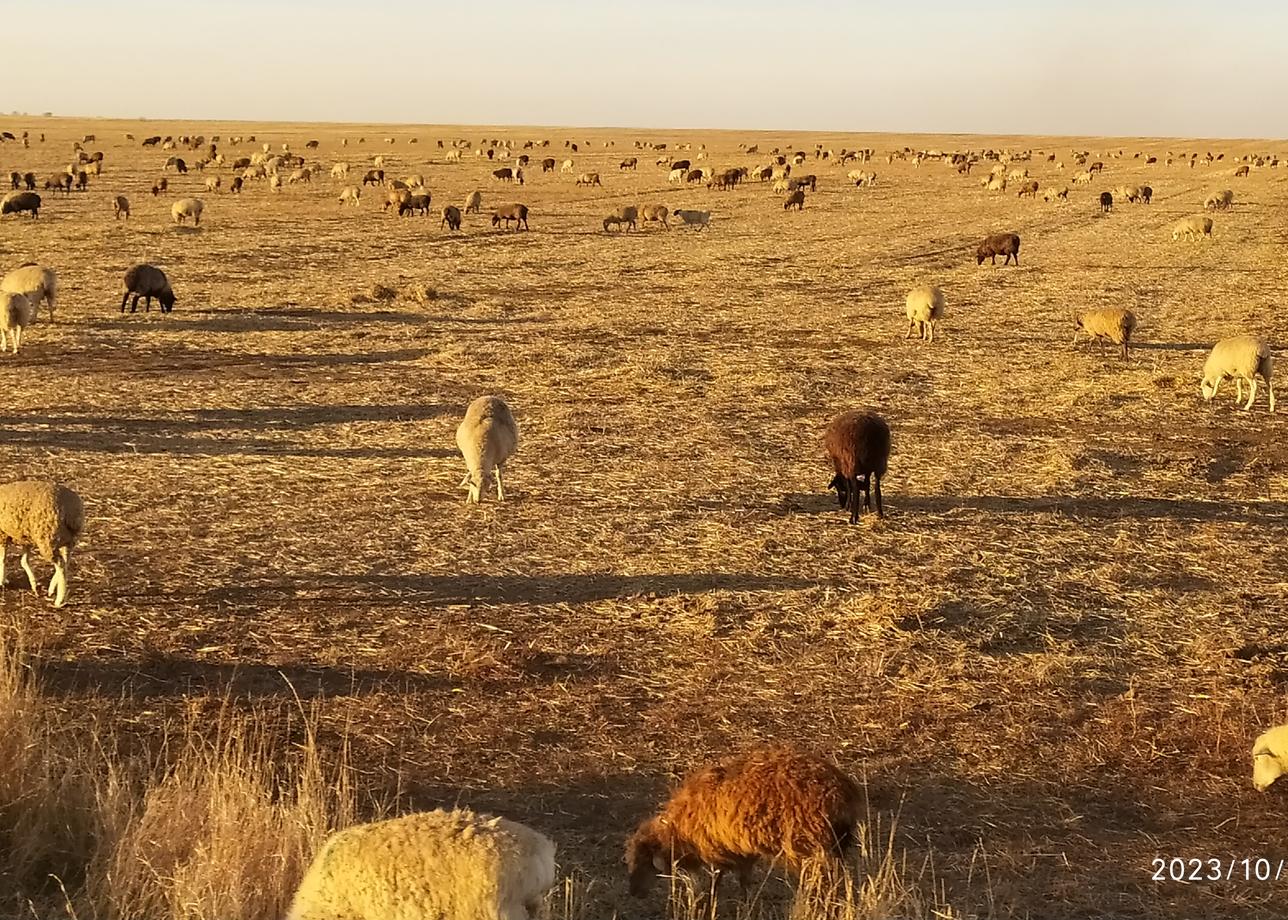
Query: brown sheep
point(591, 179)
point(511, 212)
point(626, 215)
point(656, 213)
point(999, 244)
point(451, 218)
point(797, 199)
point(858, 444)
point(774, 804)
point(1029, 188)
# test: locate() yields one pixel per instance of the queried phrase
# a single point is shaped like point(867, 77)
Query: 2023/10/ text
point(1247, 869)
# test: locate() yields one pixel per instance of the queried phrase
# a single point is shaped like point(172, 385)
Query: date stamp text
point(1230, 869)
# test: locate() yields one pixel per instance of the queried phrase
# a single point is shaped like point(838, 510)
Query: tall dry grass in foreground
point(219, 822)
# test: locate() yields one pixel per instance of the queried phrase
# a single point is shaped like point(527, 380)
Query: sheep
point(795, 199)
point(185, 208)
point(340, 171)
point(656, 213)
point(1219, 201)
point(511, 212)
point(781, 185)
point(626, 215)
point(275, 183)
point(46, 517)
point(999, 244)
point(1241, 172)
point(1106, 202)
point(147, 281)
point(566, 167)
point(1029, 188)
point(16, 313)
point(473, 202)
point(487, 437)
point(675, 175)
point(413, 203)
point(1243, 357)
point(350, 194)
point(699, 219)
point(802, 181)
point(770, 804)
point(235, 187)
point(1192, 228)
point(35, 282)
point(302, 175)
point(1060, 194)
point(1109, 324)
point(452, 156)
point(121, 207)
point(1146, 194)
point(589, 179)
point(865, 179)
point(629, 163)
point(1269, 757)
point(395, 198)
point(451, 217)
point(924, 308)
point(858, 444)
point(452, 864)
point(373, 177)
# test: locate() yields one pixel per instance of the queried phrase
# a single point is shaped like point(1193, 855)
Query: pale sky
point(1092, 67)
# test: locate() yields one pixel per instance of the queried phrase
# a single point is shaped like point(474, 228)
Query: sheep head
point(1268, 756)
point(648, 854)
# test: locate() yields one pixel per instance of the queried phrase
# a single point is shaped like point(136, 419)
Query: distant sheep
point(1053, 194)
point(487, 437)
point(656, 213)
point(699, 219)
point(350, 194)
point(1270, 757)
point(1106, 202)
point(623, 218)
point(1243, 357)
point(589, 179)
point(548, 165)
point(213, 183)
point(1109, 324)
point(414, 204)
point(18, 202)
point(1241, 172)
point(771, 805)
point(567, 166)
point(16, 314)
point(924, 308)
point(35, 282)
point(186, 208)
point(456, 865)
point(796, 199)
point(1192, 228)
point(999, 244)
point(121, 207)
point(511, 212)
point(340, 171)
point(147, 281)
point(473, 202)
point(451, 217)
point(858, 445)
point(1029, 188)
point(373, 177)
point(1219, 201)
point(45, 517)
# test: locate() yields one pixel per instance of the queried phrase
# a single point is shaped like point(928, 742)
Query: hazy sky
point(1131, 67)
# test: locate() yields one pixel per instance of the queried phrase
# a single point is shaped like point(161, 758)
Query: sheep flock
point(670, 511)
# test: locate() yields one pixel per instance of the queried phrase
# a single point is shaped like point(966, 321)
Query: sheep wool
point(44, 516)
point(487, 437)
point(449, 864)
point(1270, 757)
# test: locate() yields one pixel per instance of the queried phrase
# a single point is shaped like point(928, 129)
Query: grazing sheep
point(628, 163)
point(773, 804)
point(1270, 757)
point(999, 244)
point(548, 165)
point(473, 202)
point(924, 308)
point(504, 174)
point(1146, 194)
point(35, 282)
point(858, 444)
point(626, 216)
point(1192, 228)
point(1241, 172)
point(213, 183)
point(373, 177)
point(457, 865)
point(1110, 324)
point(588, 179)
point(16, 314)
point(511, 212)
point(15, 180)
point(802, 182)
point(566, 167)
point(351, 194)
point(340, 171)
point(1243, 357)
point(1029, 188)
point(121, 207)
point(147, 281)
point(395, 198)
point(1106, 202)
point(46, 517)
point(184, 208)
point(699, 219)
point(781, 185)
point(866, 179)
point(487, 437)
point(235, 187)
point(413, 204)
point(451, 217)
point(1219, 201)
point(1060, 194)
point(796, 199)
point(656, 213)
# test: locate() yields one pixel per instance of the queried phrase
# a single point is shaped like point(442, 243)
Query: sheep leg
point(930, 325)
point(4, 551)
point(1252, 394)
point(500, 491)
point(26, 567)
point(1238, 389)
point(877, 488)
point(911, 323)
point(1270, 389)
point(854, 499)
point(123, 300)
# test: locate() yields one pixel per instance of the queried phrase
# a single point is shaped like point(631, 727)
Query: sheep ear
point(659, 862)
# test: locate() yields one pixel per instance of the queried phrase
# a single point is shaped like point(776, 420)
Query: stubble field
point(1048, 662)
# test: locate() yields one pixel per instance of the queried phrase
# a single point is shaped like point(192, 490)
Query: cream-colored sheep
point(487, 437)
point(473, 202)
point(16, 314)
point(781, 185)
point(1192, 228)
point(213, 183)
point(300, 175)
point(1219, 201)
point(187, 207)
point(452, 156)
point(566, 167)
point(588, 179)
point(1270, 757)
point(340, 171)
point(924, 308)
point(46, 517)
point(699, 219)
point(1083, 178)
point(1109, 324)
point(275, 183)
point(1056, 194)
point(1243, 357)
point(121, 207)
point(865, 179)
point(350, 194)
point(455, 865)
point(35, 282)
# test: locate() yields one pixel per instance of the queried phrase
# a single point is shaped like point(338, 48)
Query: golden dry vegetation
point(1048, 662)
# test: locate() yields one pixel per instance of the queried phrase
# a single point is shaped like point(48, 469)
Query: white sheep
point(1107, 324)
point(213, 183)
point(453, 156)
point(16, 314)
point(35, 282)
point(438, 864)
point(676, 175)
point(1270, 757)
point(473, 202)
point(924, 308)
point(699, 219)
point(46, 517)
point(340, 171)
point(1243, 357)
point(1192, 228)
point(487, 437)
point(781, 185)
point(187, 207)
point(351, 194)
point(1219, 201)
point(566, 167)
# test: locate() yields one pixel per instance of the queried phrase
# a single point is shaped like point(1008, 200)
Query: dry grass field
point(1048, 662)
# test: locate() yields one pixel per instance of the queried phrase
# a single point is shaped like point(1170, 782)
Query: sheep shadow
point(218, 320)
point(1115, 508)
